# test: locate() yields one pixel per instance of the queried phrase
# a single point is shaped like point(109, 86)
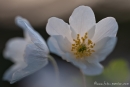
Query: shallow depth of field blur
point(116, 65)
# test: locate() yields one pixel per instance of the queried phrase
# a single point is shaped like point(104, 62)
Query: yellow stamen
point(80, 48)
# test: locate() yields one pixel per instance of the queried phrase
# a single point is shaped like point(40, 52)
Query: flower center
point(82, 47)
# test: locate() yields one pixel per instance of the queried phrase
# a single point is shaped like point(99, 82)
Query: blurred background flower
point(38, 11)
point(29, 53)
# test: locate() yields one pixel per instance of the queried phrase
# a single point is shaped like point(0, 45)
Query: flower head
point(84, 42)
point(29, 54)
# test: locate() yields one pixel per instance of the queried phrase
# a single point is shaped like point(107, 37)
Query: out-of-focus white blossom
point(29, 54)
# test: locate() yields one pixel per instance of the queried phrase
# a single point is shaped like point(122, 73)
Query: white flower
point(84, 42)
point(29, 54)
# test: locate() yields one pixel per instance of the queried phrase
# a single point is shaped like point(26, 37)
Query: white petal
point(102, 49)
point(35, 59)
point(53, 46)
point(35, 36)
point(9, 73)
point(32, 52)
point(63, 43)
point(92, 69)
point(86, 67)
point(82, 19)
point(56, 26)
point(71, 58)
point(27, 37)
point(73, 33)
point(106, 27)
point(15, 49)
point(91, 32)
point(31, 68)
point(93, 58)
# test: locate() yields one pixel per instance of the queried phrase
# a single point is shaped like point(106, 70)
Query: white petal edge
point(31, 68)
point(14, 49)
point(32, 52)
point(102, 49)
point(56, 26)
point(54, 47)
point(91, 32)
point(63, 43)
point(69, 57)
point(27, 37)
point(86, 67)
point(108, 44)
point(9, 72)
point(35, 59)
point(34, 35)
point(92, 69)
point(82, 19)
point(107, 27)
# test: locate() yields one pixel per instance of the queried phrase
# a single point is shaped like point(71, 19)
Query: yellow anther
point(82, 38)
point(92, 50)
point(74, 40)
point(91, 46)
point(85, 36)
point(88, 50)
point(73, 44)
point(73, 47)
point(89, 41)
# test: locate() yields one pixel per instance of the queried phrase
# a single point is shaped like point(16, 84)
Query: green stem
point(52, 60)
point(84, 79)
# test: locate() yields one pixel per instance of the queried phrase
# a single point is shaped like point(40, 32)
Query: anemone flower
point(84, 42)
point(29, 54)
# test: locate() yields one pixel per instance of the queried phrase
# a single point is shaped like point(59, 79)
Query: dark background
point(37, 12)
